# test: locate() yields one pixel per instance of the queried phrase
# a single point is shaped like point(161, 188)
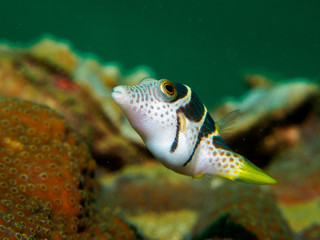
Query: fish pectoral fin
point(249, 173)
point(225, 124)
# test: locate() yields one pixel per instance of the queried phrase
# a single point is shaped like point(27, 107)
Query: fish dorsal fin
point(225, 124)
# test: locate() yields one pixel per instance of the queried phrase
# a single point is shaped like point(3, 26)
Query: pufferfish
point(180, 133)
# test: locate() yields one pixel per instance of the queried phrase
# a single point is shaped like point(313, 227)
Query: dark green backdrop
point(208, 45)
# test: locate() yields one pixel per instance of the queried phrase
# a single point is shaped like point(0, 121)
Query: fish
point(178, 130)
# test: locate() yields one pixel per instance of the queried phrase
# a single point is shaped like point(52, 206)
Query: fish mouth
point(119, 95)
point(117, 92)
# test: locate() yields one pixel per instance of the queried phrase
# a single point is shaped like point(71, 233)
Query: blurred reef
point(72, 168)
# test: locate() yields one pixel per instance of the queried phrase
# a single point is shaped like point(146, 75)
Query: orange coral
point(50, 73)
point(46, 177)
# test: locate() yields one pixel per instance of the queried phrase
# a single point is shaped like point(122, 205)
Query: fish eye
point(168, 89)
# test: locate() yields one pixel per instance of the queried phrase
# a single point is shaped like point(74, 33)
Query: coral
point(278, 128)
point(50, 73)
point(312, 233)
point(241, 209)
point(270, 117)
point(225, 228)
point(161, 203)
point(298, 172)
point(159, 190)
point(305, 186)
point(166, 225)
point(47, 186)
point(56, 53)
point(47, 181)
point(151, 196)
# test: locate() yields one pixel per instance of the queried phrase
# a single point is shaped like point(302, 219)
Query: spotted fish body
point(178, 130)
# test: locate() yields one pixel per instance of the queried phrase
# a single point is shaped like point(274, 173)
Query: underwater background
point(72, 167)
point(209, 45)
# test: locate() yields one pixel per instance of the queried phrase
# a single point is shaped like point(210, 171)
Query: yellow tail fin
point(249, 173)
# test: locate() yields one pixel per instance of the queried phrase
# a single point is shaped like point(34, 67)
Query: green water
point(209, 45)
